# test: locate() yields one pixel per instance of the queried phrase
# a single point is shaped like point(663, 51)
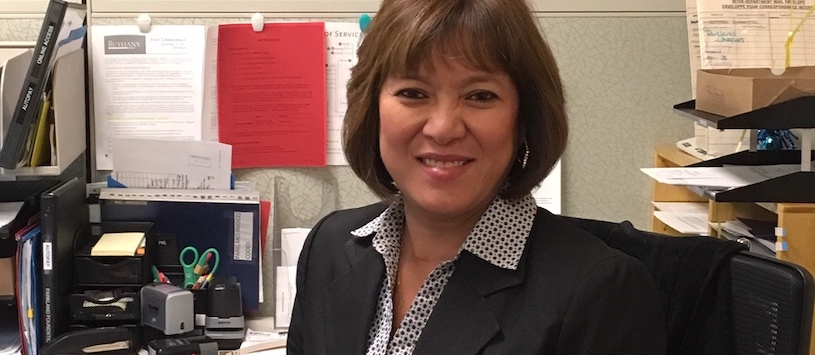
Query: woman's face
point(447, 136)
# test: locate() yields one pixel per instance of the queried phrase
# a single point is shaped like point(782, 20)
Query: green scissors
point(198, 267)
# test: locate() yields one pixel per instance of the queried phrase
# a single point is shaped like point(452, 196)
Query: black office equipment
point(719, 298)
point(108, 341)
point(63, 213)
point(54, 27)
point(198, 345)
point(224, 318)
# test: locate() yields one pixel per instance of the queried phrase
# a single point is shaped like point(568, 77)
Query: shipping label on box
point(730, 92)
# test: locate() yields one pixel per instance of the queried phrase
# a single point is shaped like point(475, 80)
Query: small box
point(6, 277)
point(730, 92)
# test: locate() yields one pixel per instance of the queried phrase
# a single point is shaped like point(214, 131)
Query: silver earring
point(524, 160)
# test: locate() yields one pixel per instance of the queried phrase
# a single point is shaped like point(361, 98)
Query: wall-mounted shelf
point(796, 113)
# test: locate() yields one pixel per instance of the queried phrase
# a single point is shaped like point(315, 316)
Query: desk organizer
point(106, 288)
point(93, 271)
point(98, 305)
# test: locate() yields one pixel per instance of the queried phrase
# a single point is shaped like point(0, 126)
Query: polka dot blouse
point(498, 238)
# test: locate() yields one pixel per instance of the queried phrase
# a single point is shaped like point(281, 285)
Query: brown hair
point(494, 35)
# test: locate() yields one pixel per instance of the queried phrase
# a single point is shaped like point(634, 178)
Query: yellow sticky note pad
point(118, 244)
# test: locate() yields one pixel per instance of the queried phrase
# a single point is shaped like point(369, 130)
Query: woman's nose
point(445, 121)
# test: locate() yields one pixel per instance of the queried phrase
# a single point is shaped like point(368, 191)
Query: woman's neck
point(432, 239)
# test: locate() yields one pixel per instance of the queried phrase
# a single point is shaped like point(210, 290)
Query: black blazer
point(571, 294)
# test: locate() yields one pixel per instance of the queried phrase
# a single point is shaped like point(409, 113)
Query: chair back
point(719, 298)
point(772, 305)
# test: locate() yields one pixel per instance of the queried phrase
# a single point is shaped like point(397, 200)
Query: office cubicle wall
point(622, 72)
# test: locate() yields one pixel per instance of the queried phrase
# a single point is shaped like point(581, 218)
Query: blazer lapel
point(462, 321)
point(351, 300)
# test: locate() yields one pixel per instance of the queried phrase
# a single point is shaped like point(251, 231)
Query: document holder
point(98, 305)
point(113, 270)
point(68, 100)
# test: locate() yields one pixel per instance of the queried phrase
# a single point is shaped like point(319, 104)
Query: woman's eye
point(483, 96)
point(411, 94)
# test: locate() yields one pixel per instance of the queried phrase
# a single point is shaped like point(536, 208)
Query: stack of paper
point(684, 217)
point(724, 176)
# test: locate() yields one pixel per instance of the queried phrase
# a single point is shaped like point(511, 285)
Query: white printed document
point(341, 40)
point(169, 164)
point(684, 222)
point(548, 193)
point(725, 176)
point(285, 291)
point(146, 85)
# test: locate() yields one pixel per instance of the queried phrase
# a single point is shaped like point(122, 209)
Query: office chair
point(718, 298)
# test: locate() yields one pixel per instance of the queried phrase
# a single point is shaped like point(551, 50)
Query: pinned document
point(167, 164)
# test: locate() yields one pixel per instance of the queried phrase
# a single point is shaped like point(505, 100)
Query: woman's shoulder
point(350, 219)
point(554, 239)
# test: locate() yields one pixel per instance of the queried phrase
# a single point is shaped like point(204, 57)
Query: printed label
point(244, 229)
point(47, 259)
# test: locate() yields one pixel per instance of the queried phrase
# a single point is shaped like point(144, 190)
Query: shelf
point(760, 157)
point(796, 187)
point(796, 113)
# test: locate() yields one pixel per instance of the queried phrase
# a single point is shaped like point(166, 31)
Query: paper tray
point(114, 305)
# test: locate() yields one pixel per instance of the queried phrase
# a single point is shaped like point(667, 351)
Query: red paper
point(271, 94)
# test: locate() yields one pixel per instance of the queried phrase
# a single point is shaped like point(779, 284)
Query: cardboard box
point(6, 276)
point(730, 92)
point(719, 142)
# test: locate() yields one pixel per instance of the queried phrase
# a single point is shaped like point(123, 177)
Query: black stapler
point(97, 341)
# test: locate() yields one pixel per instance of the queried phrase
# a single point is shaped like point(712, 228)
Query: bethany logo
point(125, 44)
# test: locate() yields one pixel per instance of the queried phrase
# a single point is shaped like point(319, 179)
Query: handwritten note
point(753, 33)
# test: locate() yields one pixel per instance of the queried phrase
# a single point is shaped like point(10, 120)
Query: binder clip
point(257, 22)
point(780, 244)
point(144, 22)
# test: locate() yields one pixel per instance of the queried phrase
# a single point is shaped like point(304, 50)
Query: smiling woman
point(455, 112)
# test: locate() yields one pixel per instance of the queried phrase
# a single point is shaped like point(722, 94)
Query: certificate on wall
point(146, 85)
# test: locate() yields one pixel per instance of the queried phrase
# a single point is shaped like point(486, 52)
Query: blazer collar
point(351, 299)
point(351, 302)
point(463, 321)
